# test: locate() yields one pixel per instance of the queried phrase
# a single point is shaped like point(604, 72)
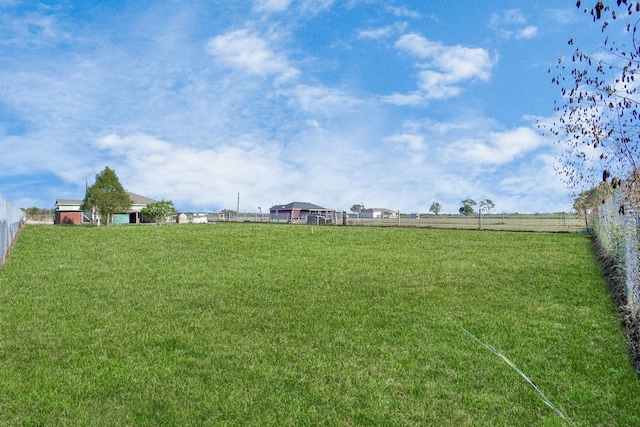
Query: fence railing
point(11, 219)
point(506, 222)
point(618, 234)
point(556, 222)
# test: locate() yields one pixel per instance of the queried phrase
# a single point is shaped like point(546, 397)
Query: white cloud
point(316, 6)
point(205, 177)
point(418, 46)
point(383, 32)
point(413, 98)
point(497, 148)
point(562, 16)
point(508, 17)
point(32, 29)
point(518, 189)
point(378, 33)
point(403, 11)
point(136, 143)
point(412, 143)
point(271, 5)
point(468, 158)
point(446, 67)
point(439, 85)
point(512, 23)
point(250, 54)
point(320, 99)
point(528, 32)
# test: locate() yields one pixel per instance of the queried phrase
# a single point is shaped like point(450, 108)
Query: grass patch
point(259, 324)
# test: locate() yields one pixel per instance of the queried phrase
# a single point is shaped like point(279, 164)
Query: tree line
point(466, 208)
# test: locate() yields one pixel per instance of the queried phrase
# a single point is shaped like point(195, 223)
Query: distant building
point(378, 213)
point(68, 211)
point(182, 218)
point(298, 211)
point(199, 218)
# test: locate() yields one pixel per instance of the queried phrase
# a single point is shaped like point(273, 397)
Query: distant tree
point(488, 205)
point(435, 208)
point(38, 214)
point(598, 115)
point(467, 207)
point(32, 212)
point(158, 212)
point(228, 213)
point(106, 196)
point(357, 208)
point(589, 200)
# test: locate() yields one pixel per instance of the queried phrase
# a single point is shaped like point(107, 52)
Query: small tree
point(487, 205)
point(357, 208)
point(467, 207)
point(435, 208)
point(158, 212)
point(106, 196)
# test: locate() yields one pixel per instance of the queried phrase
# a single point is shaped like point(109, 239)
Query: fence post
point(4, 234)
point(10, 223)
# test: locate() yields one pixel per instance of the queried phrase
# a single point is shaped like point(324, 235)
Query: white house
point(69, 212)
point(378, 213)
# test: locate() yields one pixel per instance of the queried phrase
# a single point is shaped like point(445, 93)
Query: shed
point(67, 217)
point(182, 218)
point(68, 212)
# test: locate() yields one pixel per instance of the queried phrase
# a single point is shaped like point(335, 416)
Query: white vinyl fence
point(11, 219)
point(618, 234)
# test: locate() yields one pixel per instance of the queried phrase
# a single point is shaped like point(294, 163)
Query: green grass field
point(265, 324)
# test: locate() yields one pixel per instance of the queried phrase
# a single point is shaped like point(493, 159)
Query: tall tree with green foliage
point(435, 208)
point(106, 196)
point(487, 205)
point(159, 211)
point(598, 116)
point(357, 208)
point(467, 206)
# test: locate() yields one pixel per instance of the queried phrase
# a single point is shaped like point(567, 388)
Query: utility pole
point(238, 209)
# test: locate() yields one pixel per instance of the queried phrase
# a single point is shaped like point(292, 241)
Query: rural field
point(267, 324)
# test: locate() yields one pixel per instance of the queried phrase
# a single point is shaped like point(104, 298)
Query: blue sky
point(394, 104)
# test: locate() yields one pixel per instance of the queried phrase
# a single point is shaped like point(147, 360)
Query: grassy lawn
point(264, 324)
